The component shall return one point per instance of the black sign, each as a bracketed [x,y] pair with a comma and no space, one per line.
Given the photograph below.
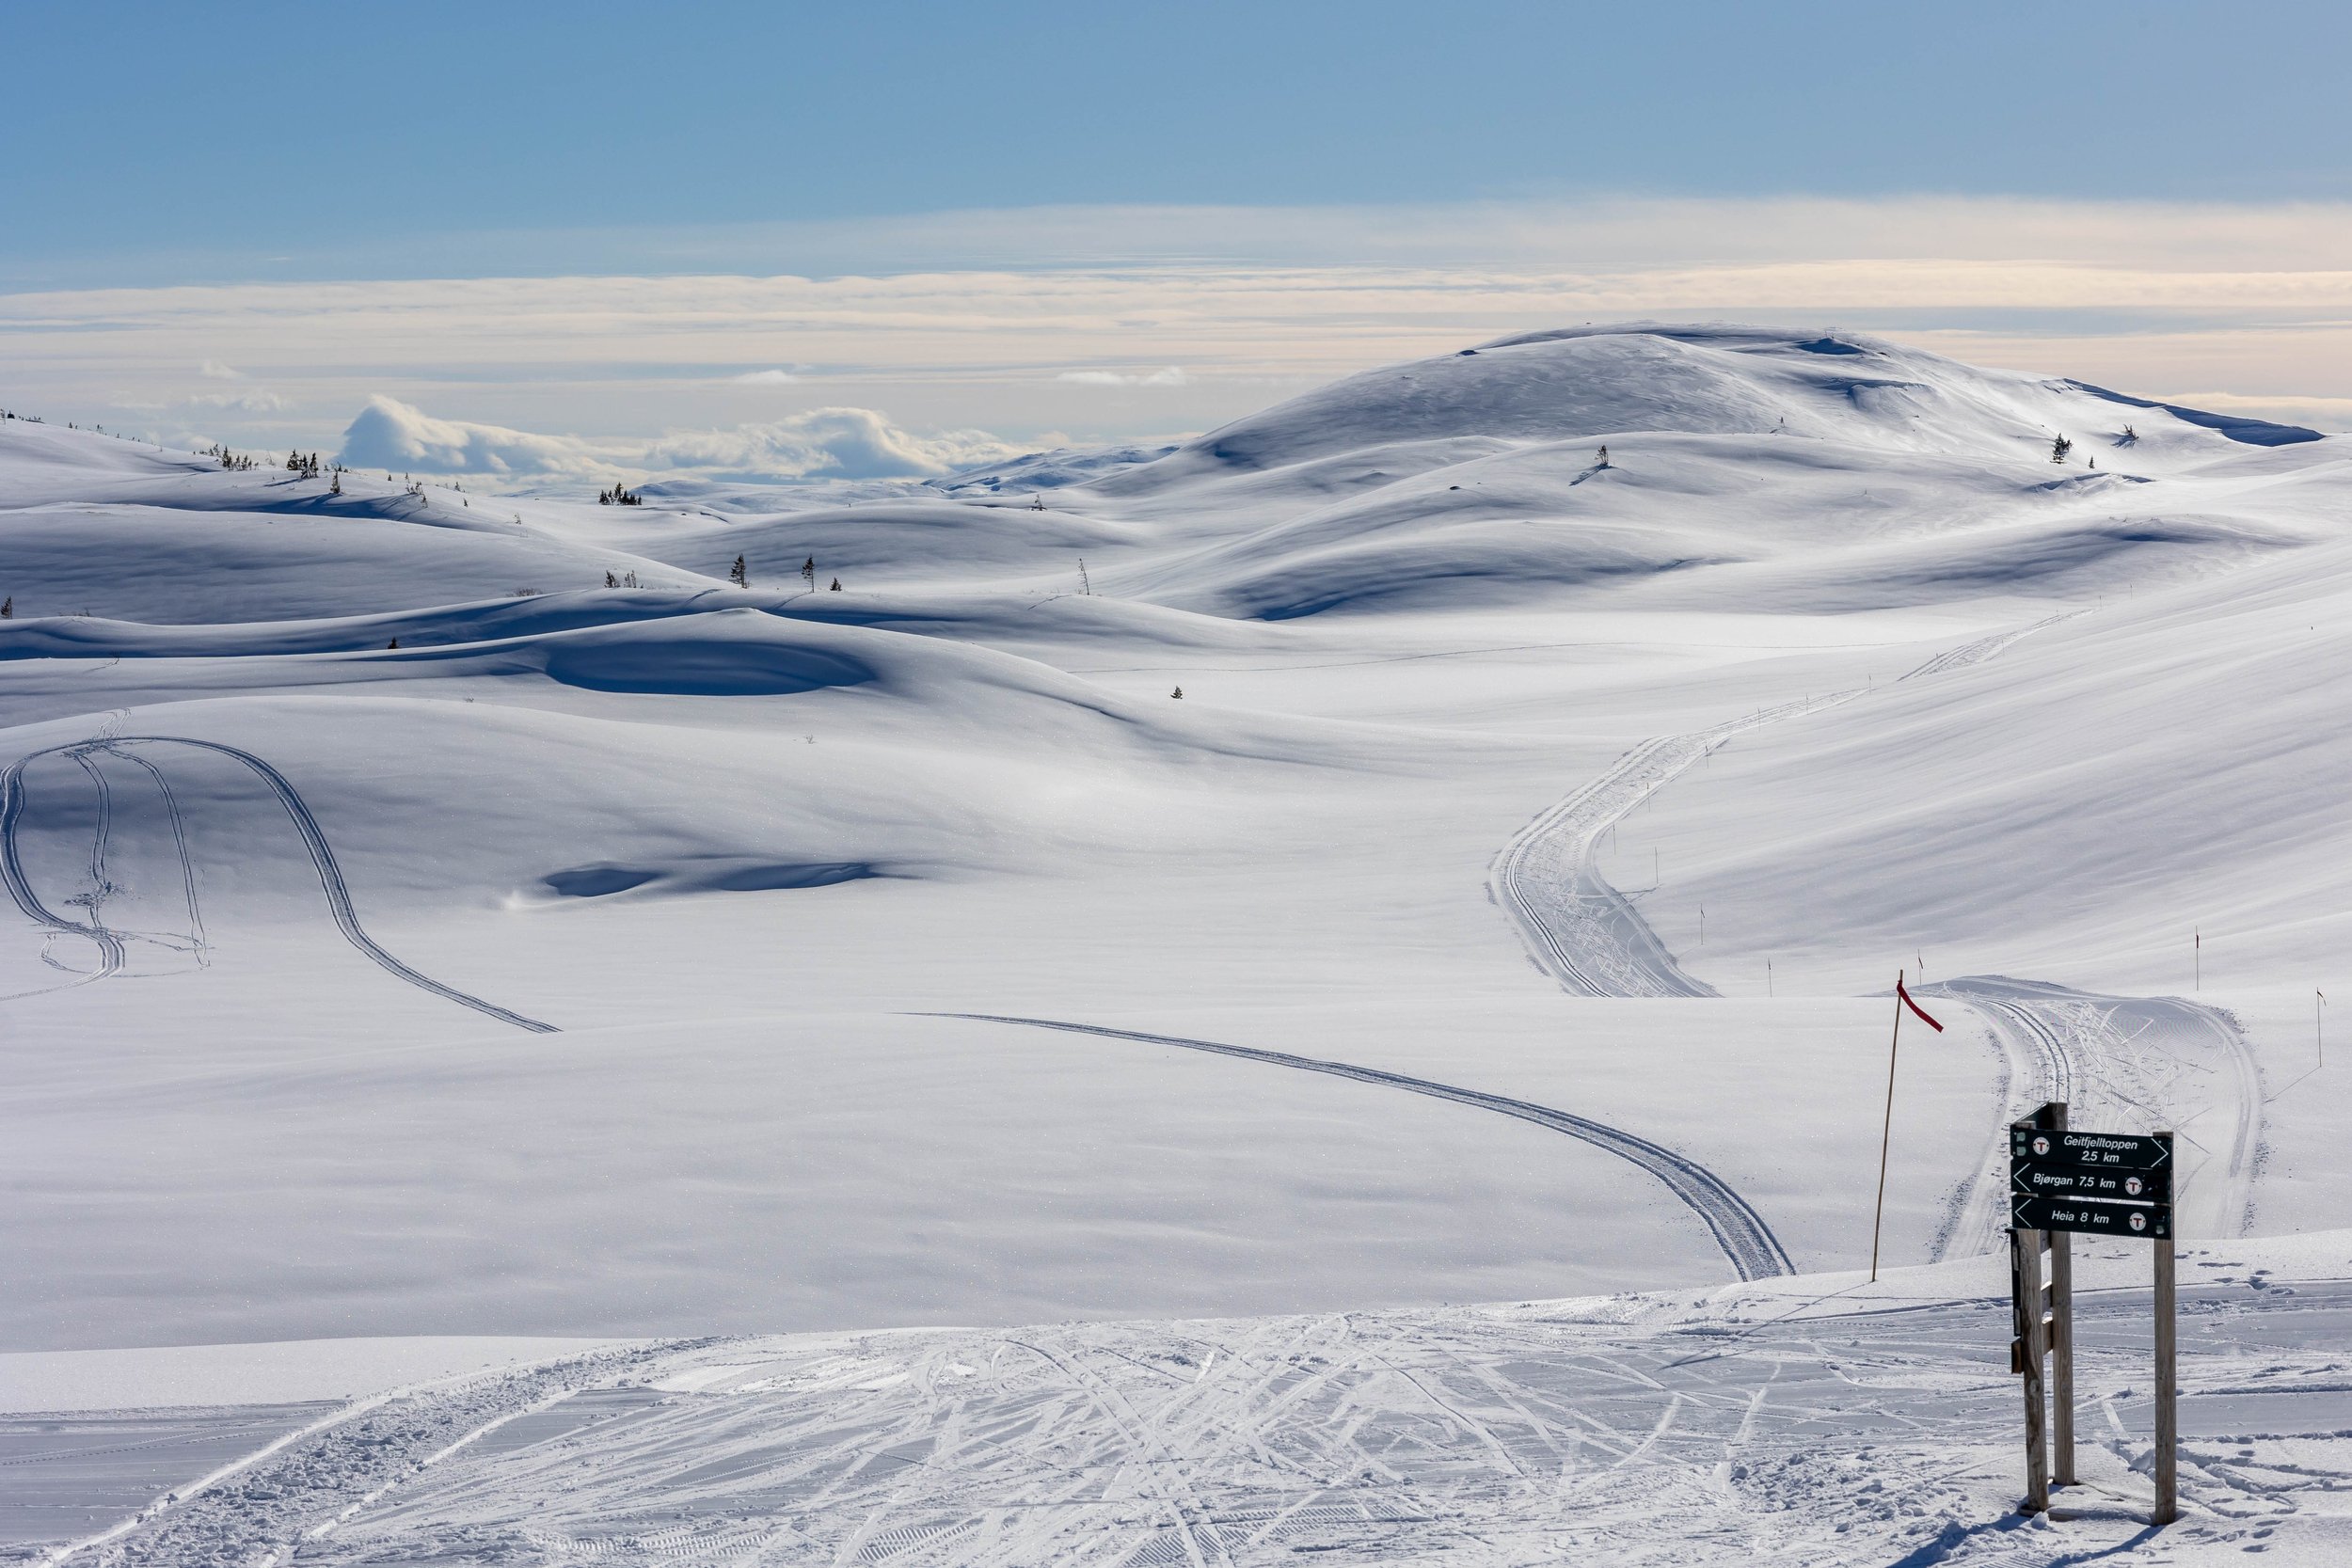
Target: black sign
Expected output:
[2049,1178]
[2106,1150]
[2152,1221]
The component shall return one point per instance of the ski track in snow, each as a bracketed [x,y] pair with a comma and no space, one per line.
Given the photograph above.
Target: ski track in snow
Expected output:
[1467,1436]
[2150,1062]
[1578,928]
[2159,1062]
[110,942]
[1986,647]
[1737,1229]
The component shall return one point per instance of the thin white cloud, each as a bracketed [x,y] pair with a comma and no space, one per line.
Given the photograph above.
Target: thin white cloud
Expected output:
[832,443]
[258,400]
[766,378]
[213,370]
[820,443]
[1171,376]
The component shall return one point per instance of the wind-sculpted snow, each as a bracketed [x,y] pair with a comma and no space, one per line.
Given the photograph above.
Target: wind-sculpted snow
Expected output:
[1746,1241]
[1759,1429]
[1218,744]
[1600,381]
[436,626]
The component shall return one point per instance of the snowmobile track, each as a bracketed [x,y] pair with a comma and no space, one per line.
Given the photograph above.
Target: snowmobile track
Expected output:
[1737,1229]
[21,889]
[313,839]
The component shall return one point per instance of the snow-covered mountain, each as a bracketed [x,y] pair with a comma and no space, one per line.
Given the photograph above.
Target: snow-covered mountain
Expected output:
[445,914]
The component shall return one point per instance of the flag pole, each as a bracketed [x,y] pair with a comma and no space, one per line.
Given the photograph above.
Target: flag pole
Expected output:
[1886,1129]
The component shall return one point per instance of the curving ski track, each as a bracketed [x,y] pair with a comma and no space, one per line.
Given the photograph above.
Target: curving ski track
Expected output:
[1578,928]
[109,943]
[1737,1229]
[2154,1062]
[1984,647]
[2159,1062]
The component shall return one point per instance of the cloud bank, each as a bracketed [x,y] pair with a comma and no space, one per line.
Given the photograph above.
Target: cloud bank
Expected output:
[1016,323]
[819,443]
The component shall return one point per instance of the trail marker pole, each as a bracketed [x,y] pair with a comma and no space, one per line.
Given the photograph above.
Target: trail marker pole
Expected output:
[2168,1391]
[1886,1129]
[2026,1262]
[2061,1245]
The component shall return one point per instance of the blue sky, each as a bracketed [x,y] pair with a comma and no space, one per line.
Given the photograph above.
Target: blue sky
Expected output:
[735,224]
[160,142]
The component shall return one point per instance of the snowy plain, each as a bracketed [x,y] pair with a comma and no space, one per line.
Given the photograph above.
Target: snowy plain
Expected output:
[414,936]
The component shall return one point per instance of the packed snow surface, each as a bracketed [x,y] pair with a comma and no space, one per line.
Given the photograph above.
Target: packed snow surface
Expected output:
[442,914]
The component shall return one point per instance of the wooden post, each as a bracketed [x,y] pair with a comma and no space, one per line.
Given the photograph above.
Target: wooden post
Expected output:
[2167,1391]
[2061,1336]
[1886,1130]
[2028,1253]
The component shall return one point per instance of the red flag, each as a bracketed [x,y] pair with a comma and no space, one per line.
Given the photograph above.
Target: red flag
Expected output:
[1915,1007]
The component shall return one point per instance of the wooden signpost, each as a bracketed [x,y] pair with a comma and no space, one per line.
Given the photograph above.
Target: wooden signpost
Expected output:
[2060,1182]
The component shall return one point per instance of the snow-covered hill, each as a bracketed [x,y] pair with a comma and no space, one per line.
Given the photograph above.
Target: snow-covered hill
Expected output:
[436,912]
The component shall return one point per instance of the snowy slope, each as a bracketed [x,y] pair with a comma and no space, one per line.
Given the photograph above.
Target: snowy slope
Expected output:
[1506,910]
[1835,1421]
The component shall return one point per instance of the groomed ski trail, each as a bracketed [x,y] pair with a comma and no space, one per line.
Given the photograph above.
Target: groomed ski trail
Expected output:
[2158,1062]
[109,943]
[1737,1229]
[1985,647]
[1578,928]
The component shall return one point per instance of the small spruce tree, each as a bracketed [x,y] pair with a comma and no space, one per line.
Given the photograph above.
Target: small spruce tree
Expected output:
[2059,448]
[1178,693]
[738,575]
[393,643]
[837,585]
[8,608]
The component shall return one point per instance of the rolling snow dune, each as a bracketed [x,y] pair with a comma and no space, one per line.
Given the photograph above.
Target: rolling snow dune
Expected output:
[196,565]
[1412,861]
[720,844]
[889,543]
[1598,381]
[2168,761]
